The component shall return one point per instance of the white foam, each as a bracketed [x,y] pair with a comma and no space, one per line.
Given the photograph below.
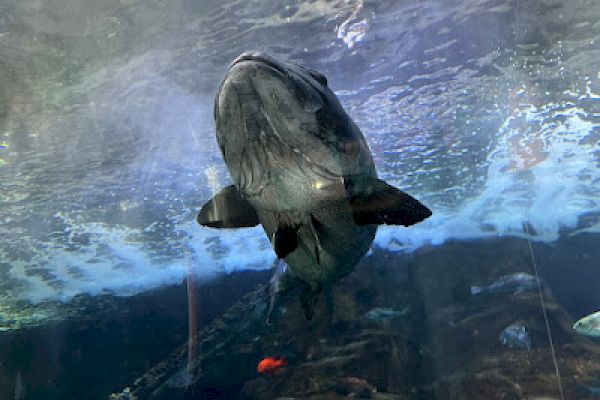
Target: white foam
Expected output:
[544,170]
[117,261]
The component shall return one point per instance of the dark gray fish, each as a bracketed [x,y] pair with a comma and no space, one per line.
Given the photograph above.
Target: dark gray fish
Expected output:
[512,283]
[516,335]
[302,169]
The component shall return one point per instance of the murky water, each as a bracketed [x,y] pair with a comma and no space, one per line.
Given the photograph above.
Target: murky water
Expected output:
[487,111]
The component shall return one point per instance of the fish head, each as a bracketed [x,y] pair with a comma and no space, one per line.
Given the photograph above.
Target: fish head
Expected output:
[274,115]
[589,326]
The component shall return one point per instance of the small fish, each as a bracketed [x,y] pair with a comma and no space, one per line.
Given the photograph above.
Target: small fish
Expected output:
[379,314]
[271,365]
[180,380]
[592,390]
[3,145]
[516,335]
[513,283]
[589,325]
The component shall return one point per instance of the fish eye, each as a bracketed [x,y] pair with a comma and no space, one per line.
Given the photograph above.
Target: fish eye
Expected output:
[581,326]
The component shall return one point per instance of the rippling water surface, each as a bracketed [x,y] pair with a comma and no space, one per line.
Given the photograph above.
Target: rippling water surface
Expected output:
[487,111]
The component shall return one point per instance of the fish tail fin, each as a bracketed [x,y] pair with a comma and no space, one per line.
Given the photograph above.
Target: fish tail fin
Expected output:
[476,290]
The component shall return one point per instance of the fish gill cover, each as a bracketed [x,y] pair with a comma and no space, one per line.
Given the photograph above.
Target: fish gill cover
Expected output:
[487,111]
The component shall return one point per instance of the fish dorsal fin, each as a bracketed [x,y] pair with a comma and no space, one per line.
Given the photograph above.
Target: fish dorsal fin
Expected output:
[285,240]
[228,209]
[379,203]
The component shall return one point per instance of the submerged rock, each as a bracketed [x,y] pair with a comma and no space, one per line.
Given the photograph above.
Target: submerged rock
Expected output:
[445,347]
[355,387]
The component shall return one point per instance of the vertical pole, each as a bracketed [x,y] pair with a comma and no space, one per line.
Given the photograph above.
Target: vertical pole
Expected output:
[192,318]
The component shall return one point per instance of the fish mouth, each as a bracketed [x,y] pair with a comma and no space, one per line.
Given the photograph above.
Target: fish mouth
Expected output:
[260,58]
[305,85]
[264,101]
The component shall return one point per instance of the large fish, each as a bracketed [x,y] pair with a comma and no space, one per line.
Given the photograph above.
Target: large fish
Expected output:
[302,169]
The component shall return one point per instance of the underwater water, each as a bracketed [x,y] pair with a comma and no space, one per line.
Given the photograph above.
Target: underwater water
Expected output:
[488,112]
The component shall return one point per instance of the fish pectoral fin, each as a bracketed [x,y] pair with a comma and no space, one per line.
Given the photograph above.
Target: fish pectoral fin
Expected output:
[380,203]
[285,240]
[228,209]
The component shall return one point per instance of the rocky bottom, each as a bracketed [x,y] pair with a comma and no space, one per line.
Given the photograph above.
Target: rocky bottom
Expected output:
[398,327]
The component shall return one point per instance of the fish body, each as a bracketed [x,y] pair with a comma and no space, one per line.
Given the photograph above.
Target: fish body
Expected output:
[302,169]
[588,325]
[380,314]
[516,335]
[271,365]
[513,283]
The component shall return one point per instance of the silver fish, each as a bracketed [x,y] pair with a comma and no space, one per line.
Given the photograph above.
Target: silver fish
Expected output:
[512,283]
[516,335]
[380,314]
[588,325]
[302,169]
